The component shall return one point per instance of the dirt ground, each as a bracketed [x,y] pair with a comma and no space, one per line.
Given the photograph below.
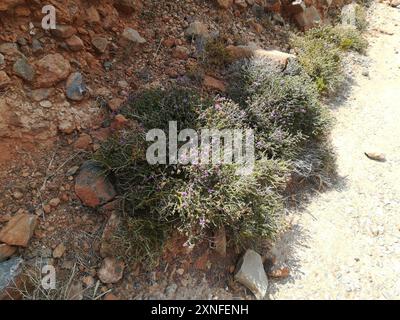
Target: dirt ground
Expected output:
[346,244]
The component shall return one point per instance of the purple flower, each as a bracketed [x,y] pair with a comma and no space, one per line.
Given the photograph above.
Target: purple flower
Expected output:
[184,194]
[202,222]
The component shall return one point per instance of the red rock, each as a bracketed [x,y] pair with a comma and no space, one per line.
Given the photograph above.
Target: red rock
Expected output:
[128,6]
[75,43]
[59,251]
[92,187]
[63,31]
[83,142]
[51,69]
[214,84]
[181,53]
[110,296]
[169,43]
[92,15]
[111,271]
[19,230]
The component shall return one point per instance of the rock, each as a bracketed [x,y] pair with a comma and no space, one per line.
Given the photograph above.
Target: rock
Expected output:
[4,79]
[132,36]
[6,251]
[72,171]
[52,69]
[180,52]
[2,61]
[55,202]
[240,52]
[92,187]
[111,271]
[41,94]
[66,126]
[115,104]
[242,4]
[100,43]
[10,271]
[128,6]
[75,43]
[59,251]
[19,230]
[18,195]
[37,47]
[75,86]
[10,49]
[88,281]
[395,3]
[279,273]
[196,29]
[250,272]
[225,4]
[45,104]
[119,122]
[220,241]
[83,142]
[24,70]
[257,27]
[111,228]
[214,84]
[376,156]
[308,18]
[110,296]
[92,15]
[63,31]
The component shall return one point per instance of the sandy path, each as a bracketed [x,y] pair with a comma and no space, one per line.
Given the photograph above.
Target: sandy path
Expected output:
[346,245]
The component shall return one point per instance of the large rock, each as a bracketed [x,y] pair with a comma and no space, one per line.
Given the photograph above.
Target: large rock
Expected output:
[196,29]
[240,52]
[100,43]
[92,187]
[52,69]
[250,272]
[23,69]
[308,18]
[111,271]
[130,35]
[214,84]
[10,271]
[75,87]
[19,230]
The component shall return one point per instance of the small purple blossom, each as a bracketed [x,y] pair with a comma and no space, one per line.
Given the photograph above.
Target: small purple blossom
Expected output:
[202,222]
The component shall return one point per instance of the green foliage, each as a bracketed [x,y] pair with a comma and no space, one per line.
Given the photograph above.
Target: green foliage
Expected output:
[321,60]
[216,55]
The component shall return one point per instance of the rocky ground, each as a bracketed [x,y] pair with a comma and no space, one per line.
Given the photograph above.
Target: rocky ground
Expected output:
[59,97]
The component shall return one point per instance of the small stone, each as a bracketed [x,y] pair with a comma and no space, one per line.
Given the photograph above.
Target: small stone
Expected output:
[88,281]
[45,104]
[59,251]
[10,49]
[66,127]
[19,230]
[180,271]
[365,72]
[133,36]
[37,47]
[376,156]
[55,202]
[180,52]
[92,15]
[196,29]
[4,79]
[119,122]
[1,59]
[47,208]
[225,4]
[111,270]
[110,296]
[75,43]
[75,87]
[63,31]
[251,273]
[41,94]
[72,171]
[6,251]
[100,43]
[18,195]
[92,187]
